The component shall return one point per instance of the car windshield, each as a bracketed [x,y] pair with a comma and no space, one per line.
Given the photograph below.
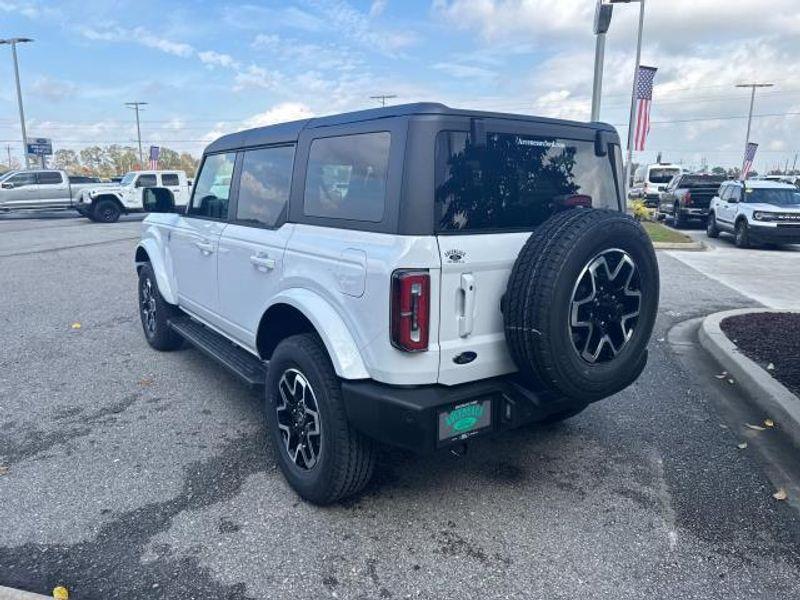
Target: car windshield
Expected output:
[128,179]
[662,175]
[5,176]
[776,196]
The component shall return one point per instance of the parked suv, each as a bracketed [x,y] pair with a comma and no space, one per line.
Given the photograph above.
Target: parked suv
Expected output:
[756,211]
[416,275]
[138,191]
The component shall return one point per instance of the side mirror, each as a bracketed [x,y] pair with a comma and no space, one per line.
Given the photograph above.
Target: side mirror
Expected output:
[158,200]
[8,186]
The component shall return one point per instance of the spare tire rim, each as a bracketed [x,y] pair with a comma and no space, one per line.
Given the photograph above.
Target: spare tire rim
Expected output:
[298,419]
[606,301]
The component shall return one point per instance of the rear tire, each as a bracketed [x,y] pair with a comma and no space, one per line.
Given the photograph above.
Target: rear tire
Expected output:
[322,457]
[155,313]
[742,235]
[578,262]
[107,211]
[712,230]
[678,218]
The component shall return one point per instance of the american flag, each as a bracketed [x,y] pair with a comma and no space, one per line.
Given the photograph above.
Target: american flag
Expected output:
[644,97]
[154,152]
[749,157]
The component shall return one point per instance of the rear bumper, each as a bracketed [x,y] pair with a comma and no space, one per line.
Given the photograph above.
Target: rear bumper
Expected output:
[409,416]
[694,212]
[651,200]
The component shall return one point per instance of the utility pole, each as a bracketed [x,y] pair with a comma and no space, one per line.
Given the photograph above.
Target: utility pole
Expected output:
[8,150]
[382,98]
[135,106]
[794,164]
[13,42]
[633,97]
[752,87]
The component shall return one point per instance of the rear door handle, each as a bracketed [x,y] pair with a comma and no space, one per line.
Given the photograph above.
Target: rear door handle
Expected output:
[262,262]
[467,317]
[205,247]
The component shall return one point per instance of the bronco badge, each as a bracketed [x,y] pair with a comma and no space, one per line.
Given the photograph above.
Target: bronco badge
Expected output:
[455,255]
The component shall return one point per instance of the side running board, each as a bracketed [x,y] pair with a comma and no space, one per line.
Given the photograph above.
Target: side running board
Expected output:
[240,362]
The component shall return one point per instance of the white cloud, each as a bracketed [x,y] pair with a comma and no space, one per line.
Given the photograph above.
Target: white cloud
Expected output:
[212,58]
[252,76]
[145,38]
[52,89]
[281,113]
[377,8]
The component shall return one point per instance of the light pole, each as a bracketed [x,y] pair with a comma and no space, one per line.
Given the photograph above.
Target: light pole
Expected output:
[13,42]
[135,106]
[633,91]
[752,87]
[602,21]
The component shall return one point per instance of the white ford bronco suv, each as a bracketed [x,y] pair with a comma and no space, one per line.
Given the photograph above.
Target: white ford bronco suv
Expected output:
[412,275]
[139,191]
[756,211]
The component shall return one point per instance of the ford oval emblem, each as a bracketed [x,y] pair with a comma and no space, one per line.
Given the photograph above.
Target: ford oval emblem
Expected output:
[465,357]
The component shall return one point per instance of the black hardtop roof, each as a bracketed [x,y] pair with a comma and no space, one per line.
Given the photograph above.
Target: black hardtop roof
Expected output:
[289,132]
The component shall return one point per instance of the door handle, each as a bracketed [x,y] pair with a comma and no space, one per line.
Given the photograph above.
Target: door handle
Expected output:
[467,317]
[205,247]
[262,262]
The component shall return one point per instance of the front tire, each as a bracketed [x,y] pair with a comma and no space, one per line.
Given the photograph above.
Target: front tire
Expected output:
[712,230]
[107,211]
[742,235]
[155,313]
[322,457]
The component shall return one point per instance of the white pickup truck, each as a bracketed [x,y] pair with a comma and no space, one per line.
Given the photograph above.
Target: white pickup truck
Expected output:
[139,191]
[43,188]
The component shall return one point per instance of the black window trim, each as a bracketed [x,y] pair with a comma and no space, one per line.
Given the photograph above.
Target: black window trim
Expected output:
[536,131]
[232,194]
[233,203]
[138,177]
[161,176]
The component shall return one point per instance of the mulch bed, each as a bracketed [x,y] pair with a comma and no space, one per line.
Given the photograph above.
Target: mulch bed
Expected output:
[769,338]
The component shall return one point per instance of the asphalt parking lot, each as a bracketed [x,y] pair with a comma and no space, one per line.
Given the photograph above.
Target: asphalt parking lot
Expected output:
[133,473]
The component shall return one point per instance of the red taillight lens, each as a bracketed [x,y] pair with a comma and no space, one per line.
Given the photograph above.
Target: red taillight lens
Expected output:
[411,307]
[687,199]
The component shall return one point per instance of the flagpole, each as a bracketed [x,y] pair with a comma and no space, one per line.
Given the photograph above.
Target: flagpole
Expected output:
[633,98]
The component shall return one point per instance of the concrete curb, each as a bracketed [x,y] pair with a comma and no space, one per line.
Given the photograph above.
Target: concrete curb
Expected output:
[7,593]
[768,393]
[692,246]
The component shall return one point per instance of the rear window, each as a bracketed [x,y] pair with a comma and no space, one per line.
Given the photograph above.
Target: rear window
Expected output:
[170,179]
[50,177]
[662,175]
[515,182]
[700,180]
[346,177]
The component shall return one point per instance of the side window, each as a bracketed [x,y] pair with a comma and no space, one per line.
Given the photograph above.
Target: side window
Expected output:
[212,187]
[264,185]
[147,181]
[346,177]
[723,192]
[22,179]
[170,180]
[735,194]
[50,178]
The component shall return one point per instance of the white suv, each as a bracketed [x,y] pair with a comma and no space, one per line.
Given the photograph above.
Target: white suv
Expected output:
[756,211]
[414,275]
[139,191]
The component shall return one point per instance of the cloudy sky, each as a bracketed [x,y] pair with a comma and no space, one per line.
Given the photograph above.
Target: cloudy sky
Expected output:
[207,68]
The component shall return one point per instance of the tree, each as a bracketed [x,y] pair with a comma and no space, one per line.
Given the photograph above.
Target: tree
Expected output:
[67,160]
[718,171]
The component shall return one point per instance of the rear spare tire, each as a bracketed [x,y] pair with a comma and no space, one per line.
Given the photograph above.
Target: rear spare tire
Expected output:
[581,303]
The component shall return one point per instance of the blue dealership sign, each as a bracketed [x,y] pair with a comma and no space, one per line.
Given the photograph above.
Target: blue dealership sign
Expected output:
[39,146]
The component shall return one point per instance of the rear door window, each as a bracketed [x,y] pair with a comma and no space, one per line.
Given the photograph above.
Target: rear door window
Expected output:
[50,178]
[170,180]
[146,181]
[346,177]
[515,182]
[264,185]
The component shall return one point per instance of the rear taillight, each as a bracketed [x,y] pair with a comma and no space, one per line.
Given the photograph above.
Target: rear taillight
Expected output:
[411,307]
[687,199]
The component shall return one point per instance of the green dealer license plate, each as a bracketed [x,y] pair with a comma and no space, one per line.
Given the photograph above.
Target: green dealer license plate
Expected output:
[464,420]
